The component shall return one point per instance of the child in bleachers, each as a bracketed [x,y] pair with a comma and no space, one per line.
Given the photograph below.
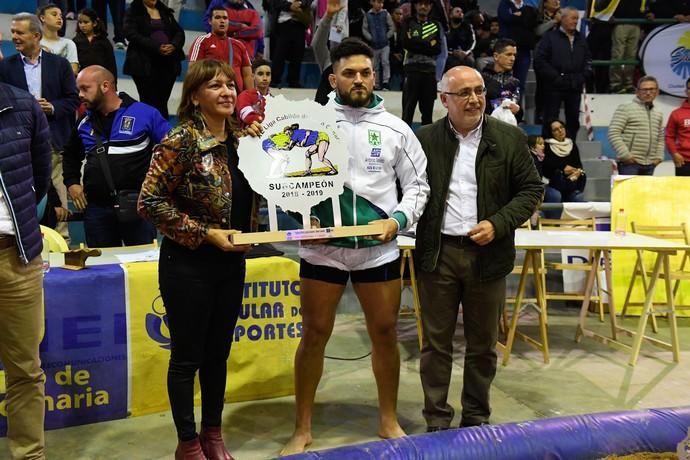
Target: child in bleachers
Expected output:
[377,29]
[251,103]
[50,16]
[91,39]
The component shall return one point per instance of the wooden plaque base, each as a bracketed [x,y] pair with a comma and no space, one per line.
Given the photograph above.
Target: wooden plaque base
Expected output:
[279,236]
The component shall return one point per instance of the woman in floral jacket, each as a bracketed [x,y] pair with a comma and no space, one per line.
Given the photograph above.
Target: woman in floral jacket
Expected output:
[197,197]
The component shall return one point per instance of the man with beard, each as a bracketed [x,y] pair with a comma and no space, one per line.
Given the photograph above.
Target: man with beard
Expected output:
[384,151]
[118,132]
[483,186]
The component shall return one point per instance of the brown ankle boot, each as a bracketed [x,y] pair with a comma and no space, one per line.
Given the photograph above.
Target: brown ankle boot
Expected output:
[189,450]
[212,443]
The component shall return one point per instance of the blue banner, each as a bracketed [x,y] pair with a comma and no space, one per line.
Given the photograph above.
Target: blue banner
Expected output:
[84,349]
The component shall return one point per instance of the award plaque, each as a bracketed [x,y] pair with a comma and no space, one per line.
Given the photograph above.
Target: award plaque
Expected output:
[300,160]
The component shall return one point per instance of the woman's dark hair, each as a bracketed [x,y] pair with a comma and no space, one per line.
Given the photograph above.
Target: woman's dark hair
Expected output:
[351,46]
[98,25]
[199,73]
[546,128]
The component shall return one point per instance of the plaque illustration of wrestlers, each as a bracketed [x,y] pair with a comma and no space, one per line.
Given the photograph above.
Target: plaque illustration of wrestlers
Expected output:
[279,144]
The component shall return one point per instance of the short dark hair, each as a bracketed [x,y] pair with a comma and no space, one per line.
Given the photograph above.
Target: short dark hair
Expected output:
[503,43]
[351,46]
[41,11]
[258,63]
[687,82]
[216,8]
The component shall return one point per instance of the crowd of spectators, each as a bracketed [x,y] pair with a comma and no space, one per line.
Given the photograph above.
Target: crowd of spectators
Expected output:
[414,42]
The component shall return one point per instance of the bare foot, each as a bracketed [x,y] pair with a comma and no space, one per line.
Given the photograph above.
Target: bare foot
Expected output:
[391,431]
[297,443]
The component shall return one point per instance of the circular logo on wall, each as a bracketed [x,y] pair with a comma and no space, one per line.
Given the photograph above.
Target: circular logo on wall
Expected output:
[665,54]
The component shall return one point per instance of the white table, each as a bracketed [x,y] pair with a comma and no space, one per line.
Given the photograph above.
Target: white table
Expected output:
[533,242]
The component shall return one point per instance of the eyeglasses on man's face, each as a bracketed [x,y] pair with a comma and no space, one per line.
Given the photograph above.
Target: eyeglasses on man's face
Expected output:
[466,93]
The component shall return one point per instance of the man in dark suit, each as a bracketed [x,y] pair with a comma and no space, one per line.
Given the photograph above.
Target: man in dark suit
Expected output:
[50,80]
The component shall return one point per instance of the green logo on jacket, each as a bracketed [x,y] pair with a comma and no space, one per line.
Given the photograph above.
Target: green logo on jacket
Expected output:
[374,137]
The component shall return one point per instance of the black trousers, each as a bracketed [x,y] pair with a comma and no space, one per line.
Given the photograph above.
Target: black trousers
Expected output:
[202,292]
[684,170]
[419,87]
[571,101]
[289,47]
[156,88]
[117,12]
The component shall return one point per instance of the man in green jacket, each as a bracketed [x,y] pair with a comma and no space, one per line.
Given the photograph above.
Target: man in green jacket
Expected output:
[483,186]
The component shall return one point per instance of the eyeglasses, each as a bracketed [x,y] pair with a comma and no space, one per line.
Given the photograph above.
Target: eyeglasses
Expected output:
[466,93]
[648,90]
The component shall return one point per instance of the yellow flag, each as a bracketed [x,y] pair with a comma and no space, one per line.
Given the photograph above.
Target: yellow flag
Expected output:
[603,9]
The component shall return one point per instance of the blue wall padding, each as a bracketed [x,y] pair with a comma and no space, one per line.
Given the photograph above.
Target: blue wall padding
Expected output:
[565,438]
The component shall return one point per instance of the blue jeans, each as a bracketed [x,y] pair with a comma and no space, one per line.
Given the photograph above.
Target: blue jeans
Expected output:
[636,169]
[103,230]
[551,195]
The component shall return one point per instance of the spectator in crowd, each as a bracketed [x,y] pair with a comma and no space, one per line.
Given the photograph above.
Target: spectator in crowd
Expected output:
[51,20]
[461,40]
[625,40]
[667,9]
[262,76]
[599,41]
[293,18]
[218,45]
[24,178]
[127,130]
[201,272]
[251,103]
[49,78]
[536,147]
[439,13]
[319,44]
[465,242]
[548,18]
[378,29]
[501,85]
[517,21]
[244,22]
[562,164]
[117,14]
[563,63]
[63,5]
[340,25]
[397,52]
[678,135]
[636,131]
[393,197]
[356,9]
[154,52]
[421,40]
[93,46]
[486,40]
